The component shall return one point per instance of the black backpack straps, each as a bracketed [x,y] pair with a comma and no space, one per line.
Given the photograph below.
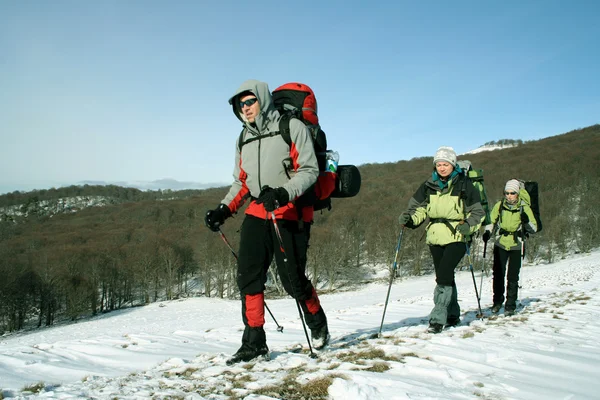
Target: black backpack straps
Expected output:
[284,131]
[463,193]
[253,138]
[284,128]
[240,143]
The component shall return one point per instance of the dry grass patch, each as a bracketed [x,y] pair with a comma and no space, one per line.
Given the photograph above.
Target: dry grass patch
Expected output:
[379,367]
[484,396]
[185,373]
[582,297]
[290,389]
[411,354]
[467,335]
[240,381]
[369,354]
[35,387]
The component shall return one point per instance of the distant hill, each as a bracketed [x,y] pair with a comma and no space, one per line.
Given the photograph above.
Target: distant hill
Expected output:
[75,197]
[159,184]
[490,147]
[48,202]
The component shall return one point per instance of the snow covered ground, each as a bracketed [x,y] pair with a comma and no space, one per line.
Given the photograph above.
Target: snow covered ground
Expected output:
[489,147]
[177,349]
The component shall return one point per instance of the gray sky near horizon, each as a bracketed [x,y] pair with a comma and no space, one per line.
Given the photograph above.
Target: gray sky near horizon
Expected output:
[137,91]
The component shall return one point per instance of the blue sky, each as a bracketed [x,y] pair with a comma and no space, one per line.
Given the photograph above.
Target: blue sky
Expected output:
[138,90]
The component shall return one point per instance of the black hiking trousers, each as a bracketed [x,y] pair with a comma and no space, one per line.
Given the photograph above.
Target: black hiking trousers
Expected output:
[500,270]
[258,245]
[445,260]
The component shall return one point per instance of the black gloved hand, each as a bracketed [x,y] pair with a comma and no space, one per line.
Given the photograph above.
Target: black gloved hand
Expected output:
[215,218]
[464,229]
[273,198]
[486,236]
[404,219]
[524,218]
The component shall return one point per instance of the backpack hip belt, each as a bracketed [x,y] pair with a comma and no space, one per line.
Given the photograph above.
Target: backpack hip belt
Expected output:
[515,234]
[446,222]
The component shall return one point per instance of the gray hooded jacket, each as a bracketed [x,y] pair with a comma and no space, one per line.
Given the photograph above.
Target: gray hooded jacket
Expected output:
[264,162]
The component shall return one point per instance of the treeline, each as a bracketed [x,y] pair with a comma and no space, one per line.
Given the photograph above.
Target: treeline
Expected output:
[117,194]
[102,259]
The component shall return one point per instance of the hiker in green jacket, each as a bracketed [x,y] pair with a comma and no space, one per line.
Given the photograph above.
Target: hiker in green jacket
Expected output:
[455,213]
[512,220]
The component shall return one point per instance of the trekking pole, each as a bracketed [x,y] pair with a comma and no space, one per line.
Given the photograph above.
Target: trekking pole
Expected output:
[285,260]
[522,251]
[482,271]
[392,276]
[279,327]
[480,315]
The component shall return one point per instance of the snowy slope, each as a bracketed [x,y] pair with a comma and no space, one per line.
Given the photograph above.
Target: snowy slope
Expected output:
[178,349]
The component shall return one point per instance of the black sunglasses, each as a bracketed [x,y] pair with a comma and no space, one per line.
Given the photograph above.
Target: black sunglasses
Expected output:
[513,193]
[248,102]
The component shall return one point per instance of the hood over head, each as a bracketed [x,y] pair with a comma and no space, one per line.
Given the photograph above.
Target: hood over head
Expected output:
[262,93]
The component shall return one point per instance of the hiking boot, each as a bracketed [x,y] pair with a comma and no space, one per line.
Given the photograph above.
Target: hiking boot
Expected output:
[452,321]
[496,308]
[247,353]
[509,313]
[320,337]
[435,328]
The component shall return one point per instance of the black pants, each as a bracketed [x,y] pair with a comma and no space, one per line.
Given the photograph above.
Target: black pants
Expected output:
[258,244]
[445,260]
[501,258]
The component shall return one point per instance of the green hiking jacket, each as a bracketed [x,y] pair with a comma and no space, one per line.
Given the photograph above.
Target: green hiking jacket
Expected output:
[446,208]
[506,222]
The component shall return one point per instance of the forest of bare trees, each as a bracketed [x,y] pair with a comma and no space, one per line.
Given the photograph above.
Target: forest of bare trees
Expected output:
[144,249]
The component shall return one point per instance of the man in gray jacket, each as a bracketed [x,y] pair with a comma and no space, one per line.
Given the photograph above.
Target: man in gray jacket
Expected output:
[272,174]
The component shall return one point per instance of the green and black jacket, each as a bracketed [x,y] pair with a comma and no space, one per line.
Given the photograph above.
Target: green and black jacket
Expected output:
[446,207]
[506,222]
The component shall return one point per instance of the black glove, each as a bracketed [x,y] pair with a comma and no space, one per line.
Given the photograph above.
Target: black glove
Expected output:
[273,198]
[215,218]
[486,236]
[404,219]
[524,218]
[464,229]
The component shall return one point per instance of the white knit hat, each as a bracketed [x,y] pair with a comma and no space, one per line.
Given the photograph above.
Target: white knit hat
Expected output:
[445,153]
[512,186]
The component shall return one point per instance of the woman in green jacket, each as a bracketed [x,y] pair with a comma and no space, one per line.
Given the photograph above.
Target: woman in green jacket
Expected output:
[454,209]
[512,219]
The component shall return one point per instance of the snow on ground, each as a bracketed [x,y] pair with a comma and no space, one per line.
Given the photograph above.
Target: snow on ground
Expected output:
[489,147]
[177,349]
